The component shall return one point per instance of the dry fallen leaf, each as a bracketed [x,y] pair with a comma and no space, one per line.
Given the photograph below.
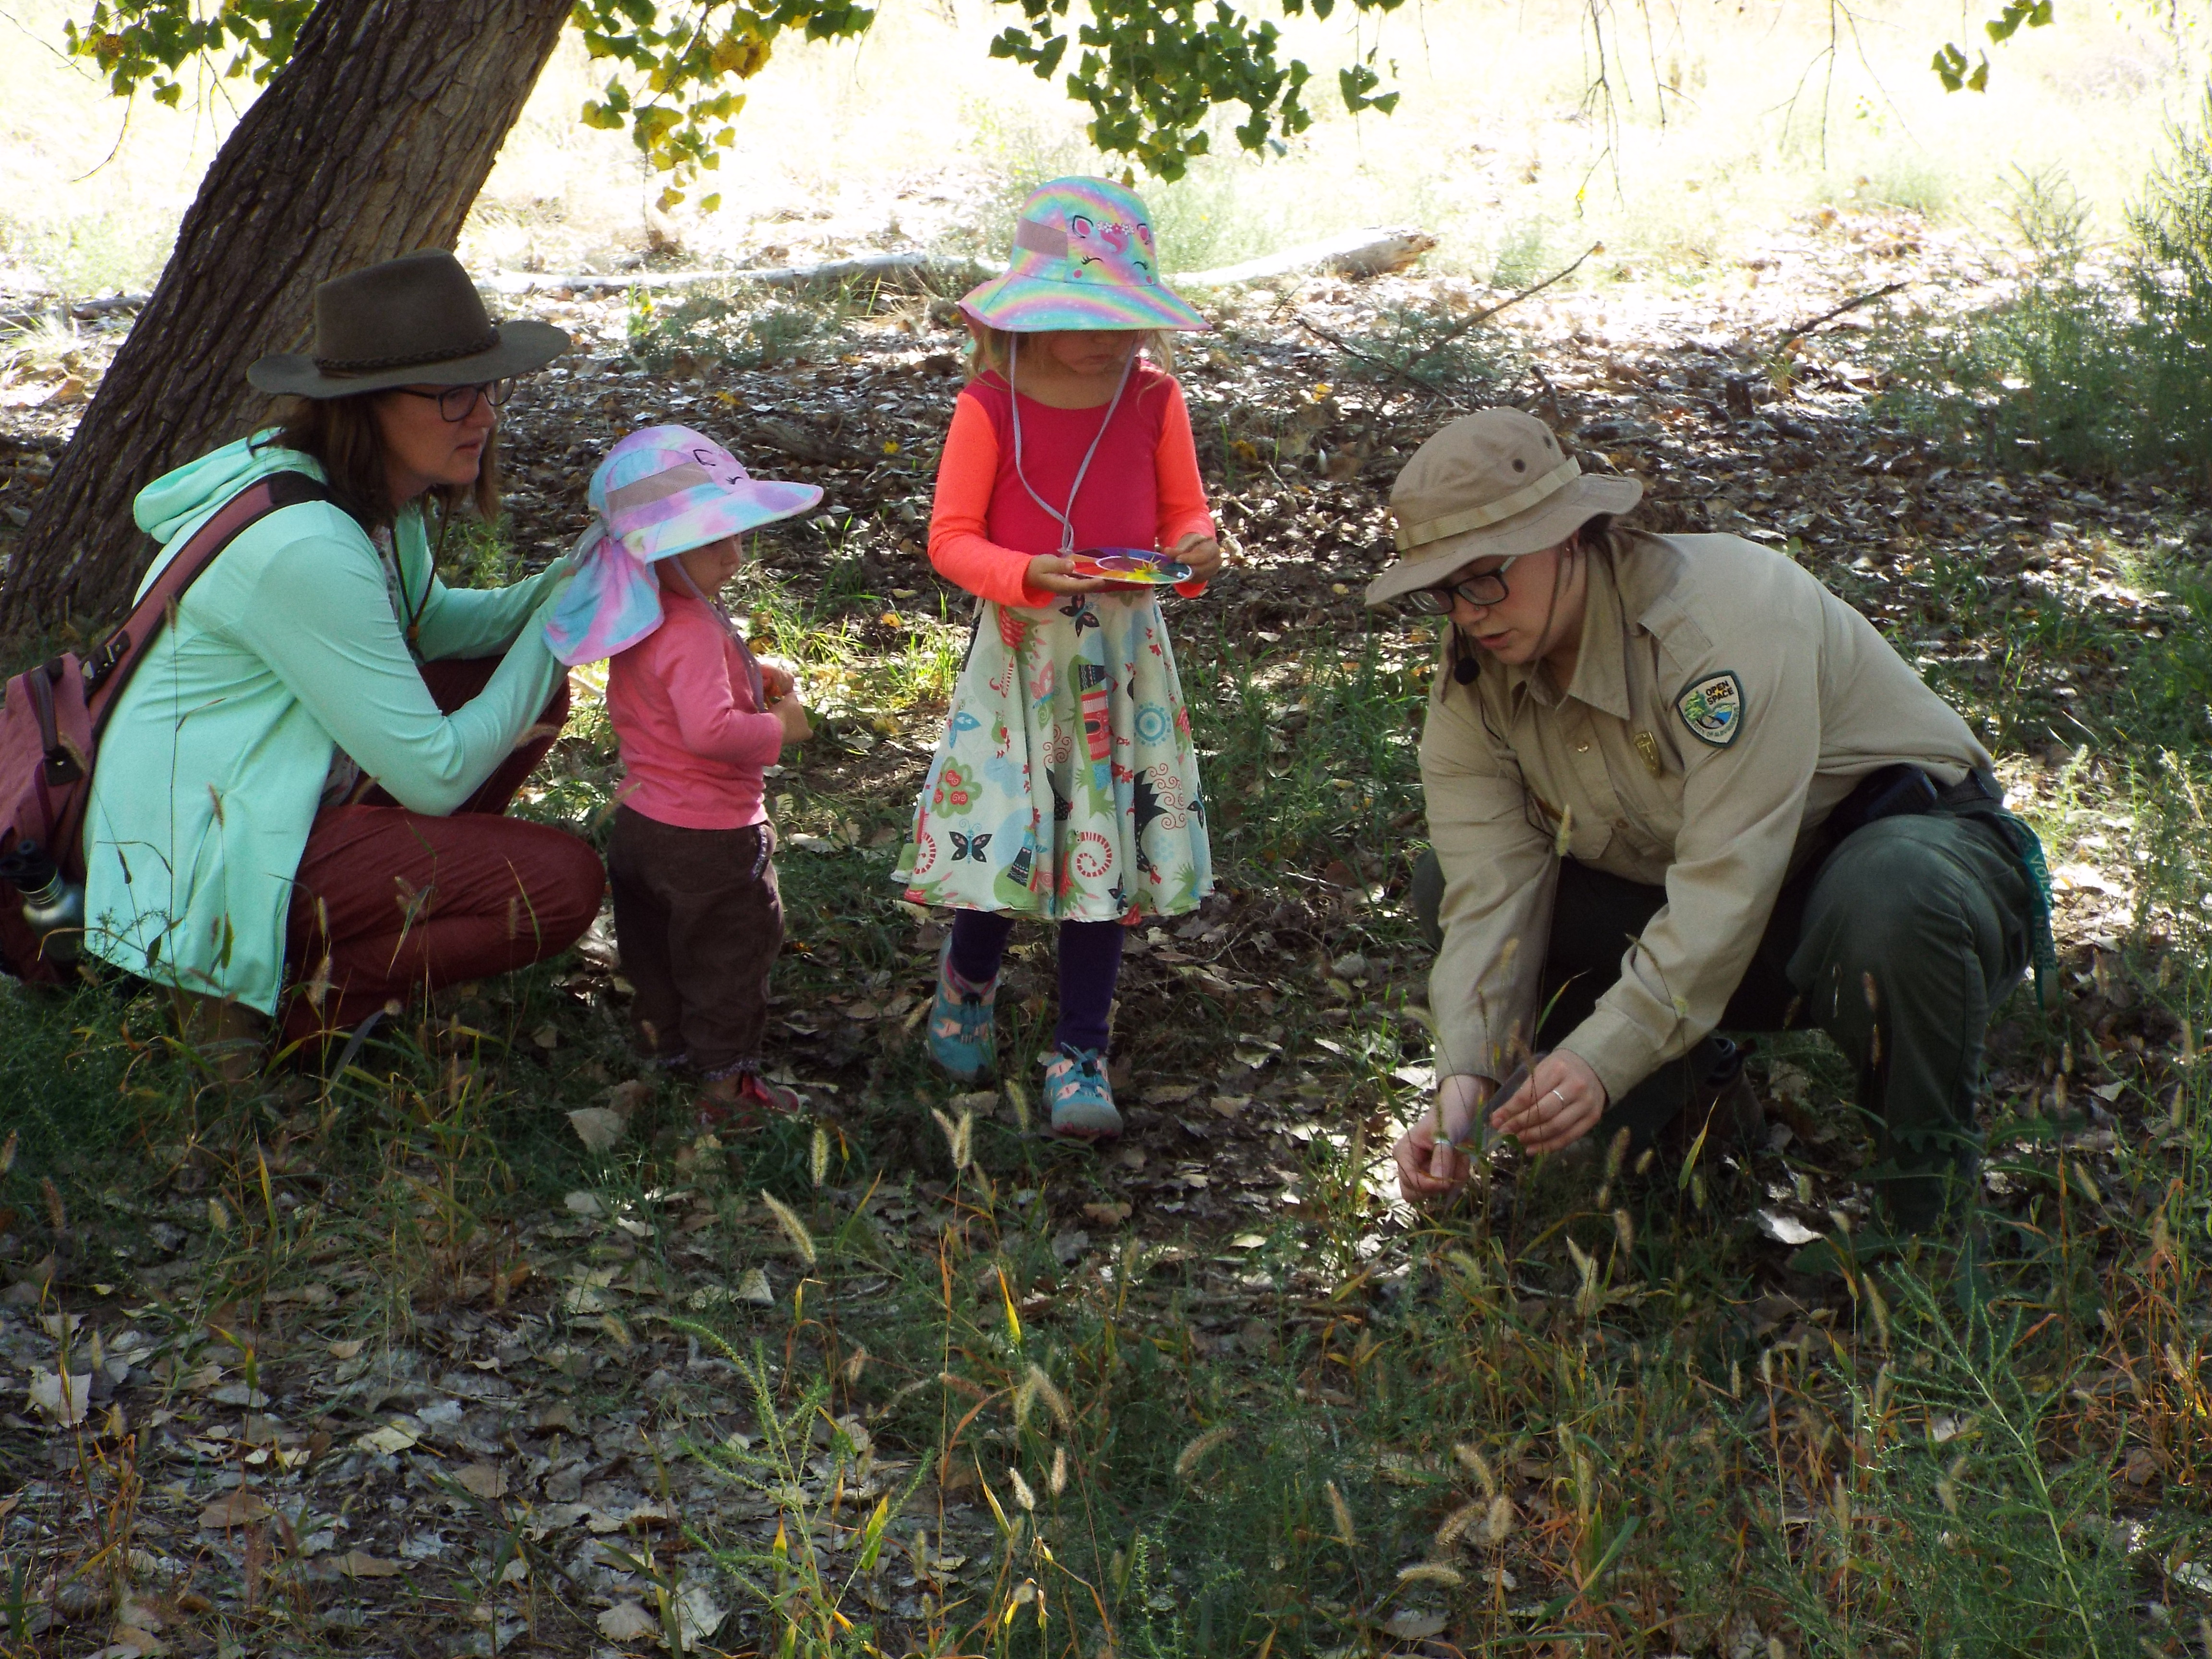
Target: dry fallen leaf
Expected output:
[482,1480]
[626,1621]
[1413,1625]
[240,1508]
[1231,1105]
[753,1287]
[597,1127]
[391,1437]
[358,1564]
[63,1400]
[1107,1215]
[1169,1094]
[348,1349]
[584,1204]
[698,1614]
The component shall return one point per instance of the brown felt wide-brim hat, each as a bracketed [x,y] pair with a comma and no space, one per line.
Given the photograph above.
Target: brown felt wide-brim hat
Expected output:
[415,320]
[1493,485]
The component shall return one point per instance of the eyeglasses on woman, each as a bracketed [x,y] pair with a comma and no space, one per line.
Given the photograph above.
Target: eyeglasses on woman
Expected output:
[455,403]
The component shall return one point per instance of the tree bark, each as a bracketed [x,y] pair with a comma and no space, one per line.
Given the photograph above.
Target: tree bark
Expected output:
[372,141]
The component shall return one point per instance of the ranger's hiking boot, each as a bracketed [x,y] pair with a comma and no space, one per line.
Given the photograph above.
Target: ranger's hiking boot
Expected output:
[962,1022]
[1081,1099]
[1722,1108]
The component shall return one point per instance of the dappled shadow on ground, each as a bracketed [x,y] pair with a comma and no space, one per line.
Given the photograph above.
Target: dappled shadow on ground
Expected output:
[396,1364]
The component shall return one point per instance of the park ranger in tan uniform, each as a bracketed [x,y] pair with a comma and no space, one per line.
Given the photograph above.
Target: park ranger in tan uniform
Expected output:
[1674,785]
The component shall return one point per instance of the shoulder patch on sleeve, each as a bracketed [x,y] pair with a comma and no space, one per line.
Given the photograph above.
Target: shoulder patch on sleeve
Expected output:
[1712,708]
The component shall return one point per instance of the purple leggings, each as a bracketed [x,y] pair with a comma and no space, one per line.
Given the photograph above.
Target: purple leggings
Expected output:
[1089,963]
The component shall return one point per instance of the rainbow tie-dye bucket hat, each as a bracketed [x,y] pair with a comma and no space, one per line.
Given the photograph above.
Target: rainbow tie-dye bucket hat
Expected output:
[660,491]
[1084,258]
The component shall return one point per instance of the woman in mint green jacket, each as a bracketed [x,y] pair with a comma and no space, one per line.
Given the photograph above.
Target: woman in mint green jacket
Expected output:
[298,806]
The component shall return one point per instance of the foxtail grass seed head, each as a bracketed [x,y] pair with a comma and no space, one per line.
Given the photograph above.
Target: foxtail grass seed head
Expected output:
[818,1159]
[1058,1481]
[1616,1153]
[1497,1524]
[2059,1092]
[1471,1460]
[218,1217]
[956,1136]
[854,1365]
[1020,1098]
[1735,1379]
[1431,1572]
[1023,1495]
[1048,1391]
[1457,1523]
[1340,1512]
[2188,1040]
[1879,1309]
[1194,1454]
[1697,1189]
[1025,1400]
[1643,1163]
[56,1214]
[1624,1229]
[2177,1113]
[794,1228]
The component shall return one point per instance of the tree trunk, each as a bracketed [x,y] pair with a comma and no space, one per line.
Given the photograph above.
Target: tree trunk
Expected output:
[372,142]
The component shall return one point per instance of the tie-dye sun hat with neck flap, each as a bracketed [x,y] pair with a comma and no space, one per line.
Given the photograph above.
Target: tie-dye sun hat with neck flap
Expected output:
[661,491]
[1084,258]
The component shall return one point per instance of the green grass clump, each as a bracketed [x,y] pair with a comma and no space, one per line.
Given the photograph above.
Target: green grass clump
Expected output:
[2104,377]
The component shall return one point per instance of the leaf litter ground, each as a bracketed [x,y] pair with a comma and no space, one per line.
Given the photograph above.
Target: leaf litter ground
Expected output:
[482,1347]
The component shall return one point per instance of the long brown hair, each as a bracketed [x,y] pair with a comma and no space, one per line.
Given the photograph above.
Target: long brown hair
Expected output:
[342,434]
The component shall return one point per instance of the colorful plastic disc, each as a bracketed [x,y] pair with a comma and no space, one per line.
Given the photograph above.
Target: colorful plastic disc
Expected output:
[1132,565]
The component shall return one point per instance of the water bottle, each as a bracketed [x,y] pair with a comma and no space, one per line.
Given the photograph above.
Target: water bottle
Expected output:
[53,905]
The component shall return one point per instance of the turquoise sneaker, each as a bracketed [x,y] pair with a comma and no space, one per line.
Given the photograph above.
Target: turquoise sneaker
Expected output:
[962,1023]
[1081,1099]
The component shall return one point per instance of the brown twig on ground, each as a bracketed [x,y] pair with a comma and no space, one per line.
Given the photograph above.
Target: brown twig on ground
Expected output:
[1405,371]
[1805,328]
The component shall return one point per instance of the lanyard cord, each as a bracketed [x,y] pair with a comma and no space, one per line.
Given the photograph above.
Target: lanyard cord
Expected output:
[752,667]
[1066,520]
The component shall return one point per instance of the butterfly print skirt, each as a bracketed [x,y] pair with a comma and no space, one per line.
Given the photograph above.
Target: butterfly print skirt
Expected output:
[1065,786]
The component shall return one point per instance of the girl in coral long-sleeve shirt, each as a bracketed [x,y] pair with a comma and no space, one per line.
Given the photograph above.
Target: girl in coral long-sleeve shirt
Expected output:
[1065,786]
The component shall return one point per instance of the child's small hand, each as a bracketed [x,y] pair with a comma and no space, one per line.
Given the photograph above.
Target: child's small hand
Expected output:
[1050,571]
[1202,554]
[777,681]
[793,713]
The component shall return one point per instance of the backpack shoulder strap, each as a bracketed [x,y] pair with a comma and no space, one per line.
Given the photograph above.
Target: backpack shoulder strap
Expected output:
[109,668]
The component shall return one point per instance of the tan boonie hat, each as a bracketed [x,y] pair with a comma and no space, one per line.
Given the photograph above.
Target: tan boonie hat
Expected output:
[1493,485]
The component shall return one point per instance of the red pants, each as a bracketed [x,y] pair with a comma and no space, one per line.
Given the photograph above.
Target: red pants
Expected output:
[389,903]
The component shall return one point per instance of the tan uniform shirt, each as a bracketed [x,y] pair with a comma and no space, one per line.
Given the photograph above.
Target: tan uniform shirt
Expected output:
[1724,702]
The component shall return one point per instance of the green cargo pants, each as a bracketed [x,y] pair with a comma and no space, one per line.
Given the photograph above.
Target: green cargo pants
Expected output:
[1899,944]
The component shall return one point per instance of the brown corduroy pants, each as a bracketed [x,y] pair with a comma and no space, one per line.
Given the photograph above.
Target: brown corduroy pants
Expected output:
[389,904]
[699,919]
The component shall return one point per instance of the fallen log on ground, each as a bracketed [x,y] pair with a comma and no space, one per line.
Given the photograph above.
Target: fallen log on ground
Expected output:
[1372,251]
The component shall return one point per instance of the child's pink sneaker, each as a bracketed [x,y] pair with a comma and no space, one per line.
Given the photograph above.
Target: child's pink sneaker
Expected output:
[755,1100]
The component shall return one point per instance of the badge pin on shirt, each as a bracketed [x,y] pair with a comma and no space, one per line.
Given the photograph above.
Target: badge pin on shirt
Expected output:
[1648,746]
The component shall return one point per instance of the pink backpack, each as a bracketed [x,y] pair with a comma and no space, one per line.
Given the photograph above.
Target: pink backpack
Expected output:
[52,720]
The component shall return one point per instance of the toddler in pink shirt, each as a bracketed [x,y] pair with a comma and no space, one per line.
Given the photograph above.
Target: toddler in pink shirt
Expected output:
[698,918]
